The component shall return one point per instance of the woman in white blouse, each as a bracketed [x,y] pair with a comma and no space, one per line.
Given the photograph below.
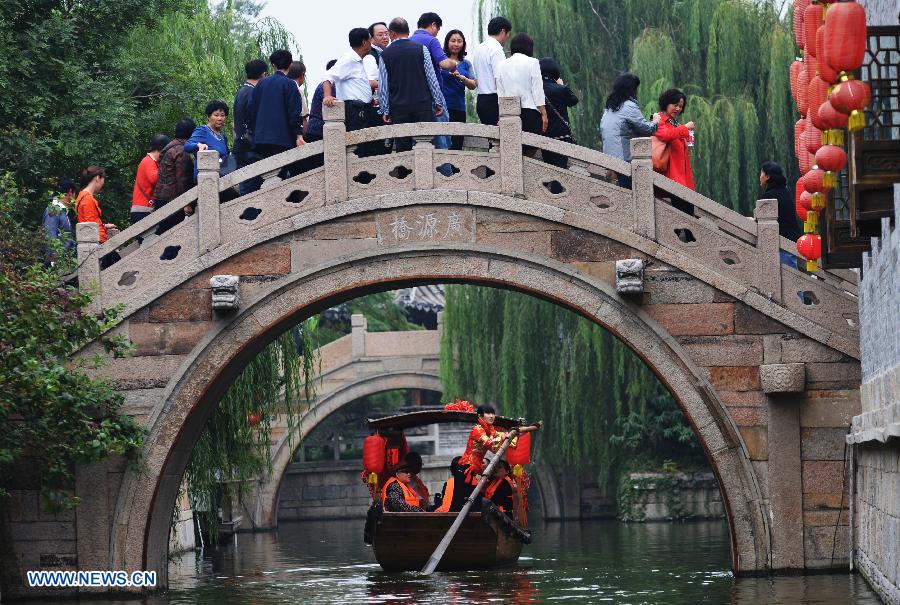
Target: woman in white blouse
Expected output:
[520,76]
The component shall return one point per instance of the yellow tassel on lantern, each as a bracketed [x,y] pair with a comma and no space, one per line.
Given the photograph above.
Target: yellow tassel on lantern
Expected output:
[856,121]
[811,222]
[818,201]
[372,478]
[812,266]
[836,137]
[518,471]
[830,179]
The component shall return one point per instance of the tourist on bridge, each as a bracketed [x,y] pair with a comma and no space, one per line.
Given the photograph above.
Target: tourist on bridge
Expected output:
[429,25]
[559,99]
[56,222]
[276,111]
[348,81]
[622,121]
[398,495]
[313,127]
[86,205]
[210,136]
[409,88]
[244,155]
[520,76]
[455,83]
[297,73]
[678,138]
[378,31]
[486,58]
[773,181]
[145,182]
[176,174]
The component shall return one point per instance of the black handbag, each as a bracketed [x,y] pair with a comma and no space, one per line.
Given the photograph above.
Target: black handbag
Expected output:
[565,138]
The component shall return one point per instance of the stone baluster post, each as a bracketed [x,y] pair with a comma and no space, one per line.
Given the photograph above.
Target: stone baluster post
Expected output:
[768,245]
[359,325]
[511,171]
[209,234]
[334,134]
[87,237]
[642,188]
[423,162]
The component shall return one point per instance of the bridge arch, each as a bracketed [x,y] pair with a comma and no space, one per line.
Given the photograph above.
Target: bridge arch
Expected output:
[145,502]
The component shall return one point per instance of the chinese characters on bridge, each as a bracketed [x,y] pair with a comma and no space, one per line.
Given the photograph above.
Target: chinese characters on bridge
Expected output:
[426,224]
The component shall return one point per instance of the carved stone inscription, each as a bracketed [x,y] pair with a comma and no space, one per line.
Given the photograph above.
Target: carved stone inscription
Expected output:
[419,224]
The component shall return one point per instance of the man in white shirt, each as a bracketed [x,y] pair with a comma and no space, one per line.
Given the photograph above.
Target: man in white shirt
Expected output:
[354,87]
[520,76]
[486,59]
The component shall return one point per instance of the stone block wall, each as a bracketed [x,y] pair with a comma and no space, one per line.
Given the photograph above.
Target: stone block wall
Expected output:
[667,496]
[875,434]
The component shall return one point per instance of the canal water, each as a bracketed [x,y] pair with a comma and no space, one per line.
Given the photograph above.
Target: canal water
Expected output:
[587,562]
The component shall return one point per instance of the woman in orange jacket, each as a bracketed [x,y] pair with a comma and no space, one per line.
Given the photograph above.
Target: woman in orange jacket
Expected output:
[92,180]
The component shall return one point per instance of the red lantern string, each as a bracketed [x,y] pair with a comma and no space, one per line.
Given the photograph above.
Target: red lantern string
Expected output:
[817,94]
[851,97]
[845,36]
[834,122]
[832,160]
[812,19]
[799,145]
[814,182]
[803,88]
[796,66]
[812,137]
[799,9]
[799,205]
[826,72]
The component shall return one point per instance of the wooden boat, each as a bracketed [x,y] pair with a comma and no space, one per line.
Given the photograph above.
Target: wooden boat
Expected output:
[405,541]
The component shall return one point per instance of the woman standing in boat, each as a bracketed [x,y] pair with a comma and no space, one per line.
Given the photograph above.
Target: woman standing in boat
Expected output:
[484,437]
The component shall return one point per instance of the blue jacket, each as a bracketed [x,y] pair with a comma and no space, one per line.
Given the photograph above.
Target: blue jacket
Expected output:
[275,111]
[204,134]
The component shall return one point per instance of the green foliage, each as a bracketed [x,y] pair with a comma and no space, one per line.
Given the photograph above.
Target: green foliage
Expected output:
[730,56]
[90,82]
[600,403]
[52,415]
[234,447]
[381,313]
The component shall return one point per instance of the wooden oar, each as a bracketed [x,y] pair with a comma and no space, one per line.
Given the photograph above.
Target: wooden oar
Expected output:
[438,553]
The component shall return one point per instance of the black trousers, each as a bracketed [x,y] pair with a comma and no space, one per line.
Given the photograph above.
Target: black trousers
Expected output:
[457,115]
[312,162]
[488,109]
[405,143]
[245,158]
[359,115]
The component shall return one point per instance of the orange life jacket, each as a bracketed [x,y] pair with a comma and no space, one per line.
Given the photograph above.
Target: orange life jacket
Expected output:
[408,494]
[447,498]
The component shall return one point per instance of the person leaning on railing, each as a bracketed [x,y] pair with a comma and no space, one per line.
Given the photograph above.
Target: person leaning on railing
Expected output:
[622,121]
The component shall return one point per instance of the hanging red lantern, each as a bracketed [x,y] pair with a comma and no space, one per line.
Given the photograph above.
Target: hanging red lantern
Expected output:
[796,66]
[832,160]
[805,161]
[818,94]
[851,97]
[835,122]
[809,246]
[253,418]
[814,182]
[799,9]
[812,137]
[521,454]
[803,89]
[373,453]
[799,145]
[826,72]
[845,36]
[812,19]
[799,206]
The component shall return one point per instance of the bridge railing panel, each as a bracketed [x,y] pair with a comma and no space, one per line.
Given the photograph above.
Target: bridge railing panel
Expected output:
[381,174]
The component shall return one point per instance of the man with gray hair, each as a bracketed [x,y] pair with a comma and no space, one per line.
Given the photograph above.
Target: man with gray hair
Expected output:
[408,84]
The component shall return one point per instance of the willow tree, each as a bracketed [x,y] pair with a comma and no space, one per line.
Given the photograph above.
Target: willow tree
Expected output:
[602,406]
[730,56]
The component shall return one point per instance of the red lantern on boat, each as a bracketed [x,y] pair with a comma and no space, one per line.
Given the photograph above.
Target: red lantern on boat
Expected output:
[832,160]
[818,94]
[812,19]
[826,72]
[845,36]
[814,182]
[809,246]
[812,137]
[799,9]
[835,122]
[803,89]
[851,97]
[373,454]
[521,454]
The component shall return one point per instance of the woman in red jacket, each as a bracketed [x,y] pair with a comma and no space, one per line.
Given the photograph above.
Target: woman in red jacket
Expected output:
[671,105]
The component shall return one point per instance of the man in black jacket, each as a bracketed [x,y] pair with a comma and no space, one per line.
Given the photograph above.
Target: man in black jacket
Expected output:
[276,110]
[771,178]
[243,131]
[408,85]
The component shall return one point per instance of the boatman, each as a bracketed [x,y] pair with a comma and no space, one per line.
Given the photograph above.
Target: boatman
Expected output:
[484,437]
[398,495]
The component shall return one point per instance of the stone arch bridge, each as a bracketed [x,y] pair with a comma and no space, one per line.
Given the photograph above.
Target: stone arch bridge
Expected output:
[768,379]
